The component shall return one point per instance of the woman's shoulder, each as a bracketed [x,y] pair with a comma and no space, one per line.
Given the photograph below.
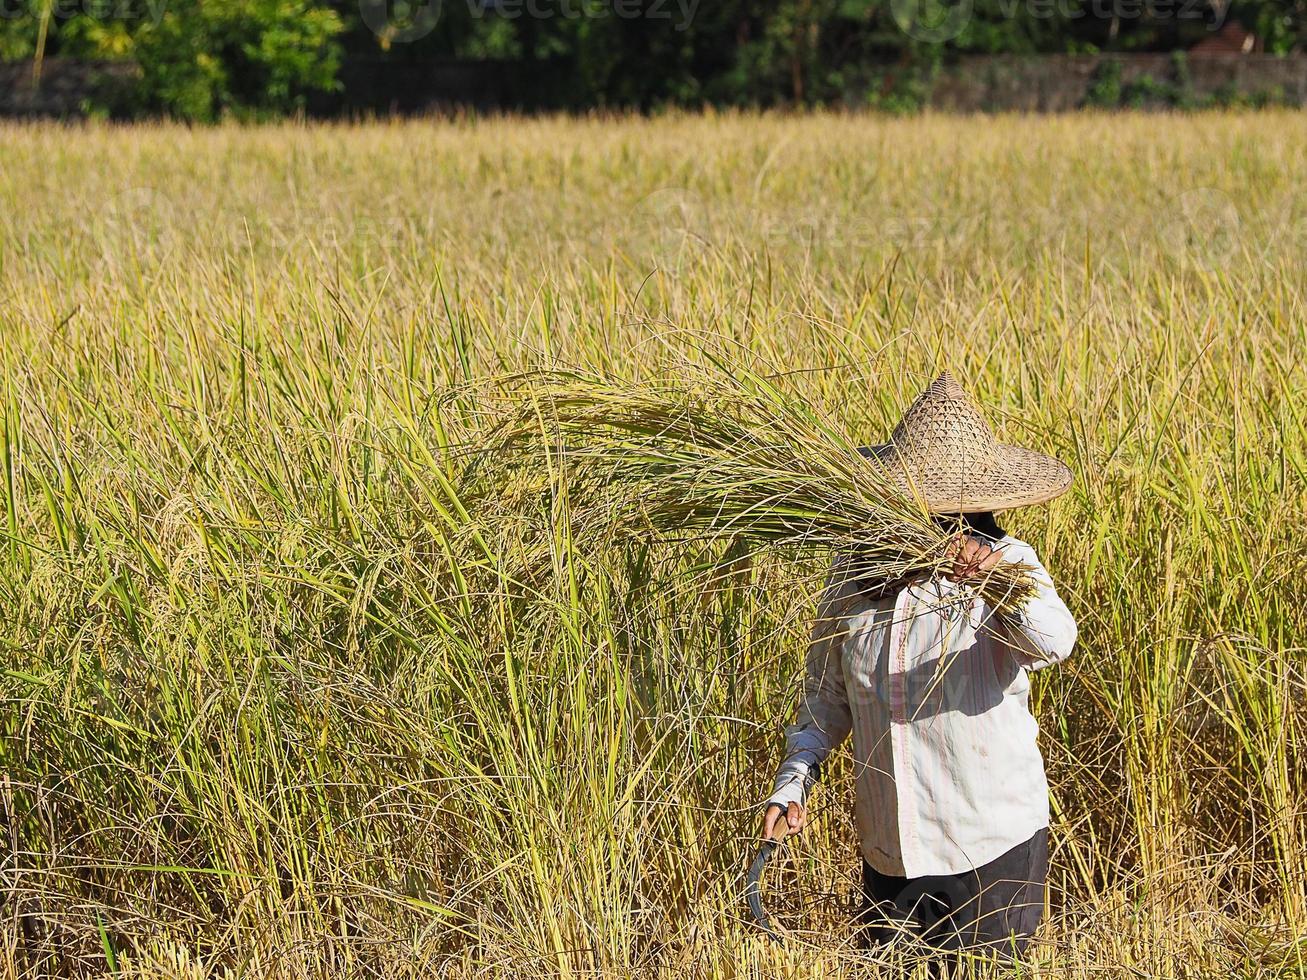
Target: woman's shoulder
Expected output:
[1014,549]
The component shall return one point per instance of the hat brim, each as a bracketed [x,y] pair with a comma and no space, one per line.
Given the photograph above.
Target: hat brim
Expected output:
[1021,478]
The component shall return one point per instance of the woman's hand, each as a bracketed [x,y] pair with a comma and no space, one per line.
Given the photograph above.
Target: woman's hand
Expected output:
[972,558]
[777,821]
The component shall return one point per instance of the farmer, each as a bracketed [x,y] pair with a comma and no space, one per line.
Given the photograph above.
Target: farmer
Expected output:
[952,803]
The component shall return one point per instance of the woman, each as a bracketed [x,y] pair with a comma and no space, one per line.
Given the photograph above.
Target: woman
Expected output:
[952,802]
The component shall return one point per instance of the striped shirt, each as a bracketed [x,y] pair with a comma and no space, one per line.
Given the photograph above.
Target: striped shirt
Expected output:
[934,690]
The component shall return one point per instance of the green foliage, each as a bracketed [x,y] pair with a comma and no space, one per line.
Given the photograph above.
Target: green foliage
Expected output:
[1229,96]
[1105,86]
[199,59]
[1109,89]
[905,91]
[242,56]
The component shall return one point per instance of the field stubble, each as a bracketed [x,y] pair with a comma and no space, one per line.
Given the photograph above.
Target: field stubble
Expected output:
[267,706]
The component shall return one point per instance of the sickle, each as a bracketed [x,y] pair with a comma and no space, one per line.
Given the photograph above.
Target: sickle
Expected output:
[753,890]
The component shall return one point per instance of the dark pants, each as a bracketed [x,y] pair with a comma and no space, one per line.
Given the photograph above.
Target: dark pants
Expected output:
[992,910]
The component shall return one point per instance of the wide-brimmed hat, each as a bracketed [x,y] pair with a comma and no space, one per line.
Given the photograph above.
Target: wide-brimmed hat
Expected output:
[945,454]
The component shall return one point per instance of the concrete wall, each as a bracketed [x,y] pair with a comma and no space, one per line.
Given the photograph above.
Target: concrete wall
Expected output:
[1048,83]
[1059,83]
[65,86]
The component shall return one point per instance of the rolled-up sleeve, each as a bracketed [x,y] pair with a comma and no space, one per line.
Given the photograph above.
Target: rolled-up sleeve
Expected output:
[1042,632]
[823,719]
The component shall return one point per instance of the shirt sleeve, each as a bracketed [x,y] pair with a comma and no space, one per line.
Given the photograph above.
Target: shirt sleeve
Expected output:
[823,719]
[1042,632]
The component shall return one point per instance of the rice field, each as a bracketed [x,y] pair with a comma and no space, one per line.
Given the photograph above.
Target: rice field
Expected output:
[268,706]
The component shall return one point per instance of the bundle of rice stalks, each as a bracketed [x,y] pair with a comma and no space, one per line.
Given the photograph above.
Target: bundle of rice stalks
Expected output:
[728,458]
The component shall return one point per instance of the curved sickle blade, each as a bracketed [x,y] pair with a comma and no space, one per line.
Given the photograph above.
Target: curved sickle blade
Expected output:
[753,890]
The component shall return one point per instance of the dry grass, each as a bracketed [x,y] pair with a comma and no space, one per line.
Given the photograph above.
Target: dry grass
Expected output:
[694,460]
[267,706]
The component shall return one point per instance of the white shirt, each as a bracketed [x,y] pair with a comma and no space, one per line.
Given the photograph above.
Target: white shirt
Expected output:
[934,689]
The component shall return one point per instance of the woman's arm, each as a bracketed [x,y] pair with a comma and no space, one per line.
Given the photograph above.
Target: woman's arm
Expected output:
[823,720]
[1042,632]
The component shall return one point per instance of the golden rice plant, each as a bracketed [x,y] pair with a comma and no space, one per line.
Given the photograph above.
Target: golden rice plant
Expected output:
[287,690]
[720,456]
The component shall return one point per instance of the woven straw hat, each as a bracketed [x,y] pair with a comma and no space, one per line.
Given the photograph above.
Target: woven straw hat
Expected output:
[944,452]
